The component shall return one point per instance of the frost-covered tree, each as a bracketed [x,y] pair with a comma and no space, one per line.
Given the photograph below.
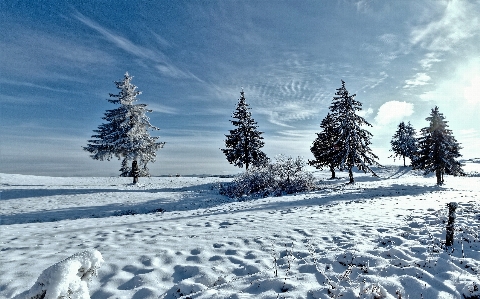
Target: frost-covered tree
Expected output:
[352,141]
[404,142]
[326,145]
[125,134]
[438,148]
[244,143]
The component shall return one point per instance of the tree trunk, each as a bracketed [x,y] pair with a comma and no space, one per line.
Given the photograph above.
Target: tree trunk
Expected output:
[451,223]
[438,173]
[404,165]
[333,172]
[350,174]
[135,171]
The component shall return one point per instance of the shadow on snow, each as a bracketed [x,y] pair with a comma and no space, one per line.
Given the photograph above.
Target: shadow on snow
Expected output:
[197,197]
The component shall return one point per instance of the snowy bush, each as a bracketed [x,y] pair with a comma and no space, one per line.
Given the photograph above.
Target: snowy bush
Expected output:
[68,278]
[471,290]
[285,176]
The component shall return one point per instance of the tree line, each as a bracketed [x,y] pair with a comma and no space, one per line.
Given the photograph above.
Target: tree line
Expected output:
[342,143]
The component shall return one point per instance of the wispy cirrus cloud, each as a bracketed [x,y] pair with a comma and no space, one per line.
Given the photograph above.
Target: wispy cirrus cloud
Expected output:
[458,22]
[298,89]
[391,47]
[35,86]
[35,54]
[284,91]
[444,35]
[429,59]
[289,112]
[419,79]
[159,108]
[375,81]
[161,62]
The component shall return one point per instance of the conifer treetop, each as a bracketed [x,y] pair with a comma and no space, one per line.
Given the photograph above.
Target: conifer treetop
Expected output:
[128,92]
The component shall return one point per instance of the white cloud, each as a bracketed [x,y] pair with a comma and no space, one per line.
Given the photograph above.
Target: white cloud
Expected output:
[419,80]
[429,59]
[365,113]
[393,112]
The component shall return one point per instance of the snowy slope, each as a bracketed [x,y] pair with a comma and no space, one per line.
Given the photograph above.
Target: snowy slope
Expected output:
[176,237]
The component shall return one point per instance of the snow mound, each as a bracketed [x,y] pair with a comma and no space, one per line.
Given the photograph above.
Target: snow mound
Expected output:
[68,278]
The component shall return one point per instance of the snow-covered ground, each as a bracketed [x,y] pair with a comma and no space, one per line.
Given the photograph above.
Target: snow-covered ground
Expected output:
[178,238]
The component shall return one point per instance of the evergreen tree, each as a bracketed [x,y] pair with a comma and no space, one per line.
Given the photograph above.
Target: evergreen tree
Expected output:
[126,135]
[352,142]
[243,144]
[404,142]
[438,148]
[326,145]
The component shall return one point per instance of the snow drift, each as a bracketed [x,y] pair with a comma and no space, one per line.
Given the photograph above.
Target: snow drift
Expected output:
[68,278]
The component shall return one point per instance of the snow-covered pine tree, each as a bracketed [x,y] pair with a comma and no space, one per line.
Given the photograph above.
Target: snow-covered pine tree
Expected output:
[353,141]
[126,135]
[244,143]
[404,142]
[326,145]
[438,148]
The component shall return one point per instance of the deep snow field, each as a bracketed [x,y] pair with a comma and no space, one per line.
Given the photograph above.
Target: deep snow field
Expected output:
[176,237]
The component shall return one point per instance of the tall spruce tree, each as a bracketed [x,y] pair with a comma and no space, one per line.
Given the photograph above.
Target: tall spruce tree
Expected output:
[125,135]
[326,145]
[244,143]
[352,141]
[438,148]
[404,142]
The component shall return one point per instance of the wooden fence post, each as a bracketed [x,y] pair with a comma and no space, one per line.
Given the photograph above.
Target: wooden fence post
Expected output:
[451,223]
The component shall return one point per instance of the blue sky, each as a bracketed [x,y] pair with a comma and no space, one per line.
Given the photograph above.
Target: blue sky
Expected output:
[58,61]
